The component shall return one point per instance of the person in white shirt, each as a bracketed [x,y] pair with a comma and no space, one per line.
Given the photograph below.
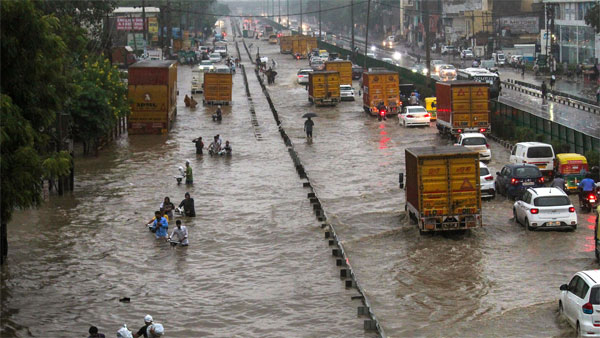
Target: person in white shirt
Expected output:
[180,234]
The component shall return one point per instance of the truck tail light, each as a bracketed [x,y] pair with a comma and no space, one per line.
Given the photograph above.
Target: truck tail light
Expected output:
[571,209]
[534,211]
[588,308]
[482,130]
[514,181]
[459,131]
[489,178]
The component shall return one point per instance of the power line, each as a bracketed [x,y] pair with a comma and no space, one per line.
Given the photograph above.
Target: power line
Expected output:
[262,16]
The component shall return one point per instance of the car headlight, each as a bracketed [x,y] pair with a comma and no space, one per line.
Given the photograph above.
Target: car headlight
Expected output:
[414,70]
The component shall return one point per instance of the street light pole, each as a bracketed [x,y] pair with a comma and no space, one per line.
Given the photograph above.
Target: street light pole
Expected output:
[320,20]
[367,34]
[300,28]
[287,7]
[352,25]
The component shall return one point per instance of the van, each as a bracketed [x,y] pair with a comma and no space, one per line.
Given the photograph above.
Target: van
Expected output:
[540,154]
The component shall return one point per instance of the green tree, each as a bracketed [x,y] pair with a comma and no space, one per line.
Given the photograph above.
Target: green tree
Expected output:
[33,85]
[592,18]
[100,100]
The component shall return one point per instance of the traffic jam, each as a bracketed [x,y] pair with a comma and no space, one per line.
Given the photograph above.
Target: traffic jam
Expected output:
[445,183]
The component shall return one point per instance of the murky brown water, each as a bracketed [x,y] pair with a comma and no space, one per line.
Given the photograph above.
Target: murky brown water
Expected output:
[501,280]
[257,264]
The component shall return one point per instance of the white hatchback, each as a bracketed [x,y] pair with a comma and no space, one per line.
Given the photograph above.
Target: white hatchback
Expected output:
[215,57]
[546,207]
[580,303]
[414,116]
[486,181]
[477,142]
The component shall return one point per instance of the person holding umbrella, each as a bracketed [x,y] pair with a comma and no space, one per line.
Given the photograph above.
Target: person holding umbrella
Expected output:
[308,124]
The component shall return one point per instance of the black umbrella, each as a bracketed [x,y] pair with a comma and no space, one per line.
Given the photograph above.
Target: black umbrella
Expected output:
[309,115]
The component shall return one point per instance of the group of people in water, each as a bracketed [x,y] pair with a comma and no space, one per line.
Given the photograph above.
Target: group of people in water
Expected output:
[216,147]
[149,330]
[159,225]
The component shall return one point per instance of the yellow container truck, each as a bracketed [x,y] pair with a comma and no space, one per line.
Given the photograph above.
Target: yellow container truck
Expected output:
[324,88]
[344,68]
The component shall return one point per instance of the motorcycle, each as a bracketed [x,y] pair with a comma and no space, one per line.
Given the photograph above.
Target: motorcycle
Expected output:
[181,175]
[590,200]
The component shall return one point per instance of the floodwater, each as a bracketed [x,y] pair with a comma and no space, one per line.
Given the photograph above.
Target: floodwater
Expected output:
[500,280]
[257,264]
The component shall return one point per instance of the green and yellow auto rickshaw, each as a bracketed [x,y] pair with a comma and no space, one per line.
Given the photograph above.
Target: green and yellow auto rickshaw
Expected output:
[573,168]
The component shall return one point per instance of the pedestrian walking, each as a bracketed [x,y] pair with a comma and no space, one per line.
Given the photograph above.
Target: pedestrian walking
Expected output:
[578,71]
[308,127]
[552,81]
[142,331]
[544,90]
[189,177]
[558,182]
[199,145]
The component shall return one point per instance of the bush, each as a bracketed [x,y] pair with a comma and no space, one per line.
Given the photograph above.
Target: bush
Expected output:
[524,134]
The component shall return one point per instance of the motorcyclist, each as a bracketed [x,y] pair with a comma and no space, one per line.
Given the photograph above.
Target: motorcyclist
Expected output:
[218,115]
[586,187]
[160,226]
[227,148]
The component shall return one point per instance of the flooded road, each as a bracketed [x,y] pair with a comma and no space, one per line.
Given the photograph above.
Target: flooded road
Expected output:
[500,280]
[257,264]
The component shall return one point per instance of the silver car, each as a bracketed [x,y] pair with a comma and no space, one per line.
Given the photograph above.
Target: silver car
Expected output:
[346,93]
[303,75]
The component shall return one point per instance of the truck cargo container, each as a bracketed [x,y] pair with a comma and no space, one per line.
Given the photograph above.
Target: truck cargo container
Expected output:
[123,56]
[302,45]
[285,44]
[324,88]
[344,68]
[197,80]
[381,86]
[217,88]
[153,94]
[462,106]
[442,188]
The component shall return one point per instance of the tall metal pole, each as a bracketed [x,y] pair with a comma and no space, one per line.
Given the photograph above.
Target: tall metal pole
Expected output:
[279,10]
[352,24]
[145,27]
[427,49]
[367,34]
[320,20]
[300,28]
[288,13]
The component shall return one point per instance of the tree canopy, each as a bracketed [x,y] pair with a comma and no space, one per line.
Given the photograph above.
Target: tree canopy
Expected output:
[592,18]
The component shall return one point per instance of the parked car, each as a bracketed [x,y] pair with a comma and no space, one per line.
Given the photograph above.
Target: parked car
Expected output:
[206,65]
[215,57]
[540,154]
[346,93]
[580,302]
[477,142]
[414,116]
[486,182]
[303,75]
[466,54]
[514,179]
[448,50]
[545,208]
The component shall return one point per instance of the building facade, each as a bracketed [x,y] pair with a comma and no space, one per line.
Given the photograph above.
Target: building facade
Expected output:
[578,43]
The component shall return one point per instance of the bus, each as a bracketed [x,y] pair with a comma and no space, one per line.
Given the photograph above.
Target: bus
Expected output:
[268,31]
[477,74]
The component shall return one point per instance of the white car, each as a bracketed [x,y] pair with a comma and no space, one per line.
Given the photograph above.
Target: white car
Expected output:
[389,42]
[215,57]
[477,142]
[303,75]
[447,72]
[580,303]
[203,49]
[435,66]
[388,60]
[346,93]
[414,116]
[371,55]
[545,207]
[317,64]
[486,181]
[466,54]
[448,50]
[206,65]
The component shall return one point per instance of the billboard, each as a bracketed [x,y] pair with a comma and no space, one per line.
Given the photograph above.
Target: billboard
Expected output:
[152,25]
[519,24]
[124,24]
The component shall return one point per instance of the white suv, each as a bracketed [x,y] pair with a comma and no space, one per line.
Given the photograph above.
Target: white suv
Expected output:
[545,208]
[486,181]
[477,142]
[580,303]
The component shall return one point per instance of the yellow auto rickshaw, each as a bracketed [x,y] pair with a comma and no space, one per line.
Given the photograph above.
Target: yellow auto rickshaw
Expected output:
[431,106]
[572,167]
